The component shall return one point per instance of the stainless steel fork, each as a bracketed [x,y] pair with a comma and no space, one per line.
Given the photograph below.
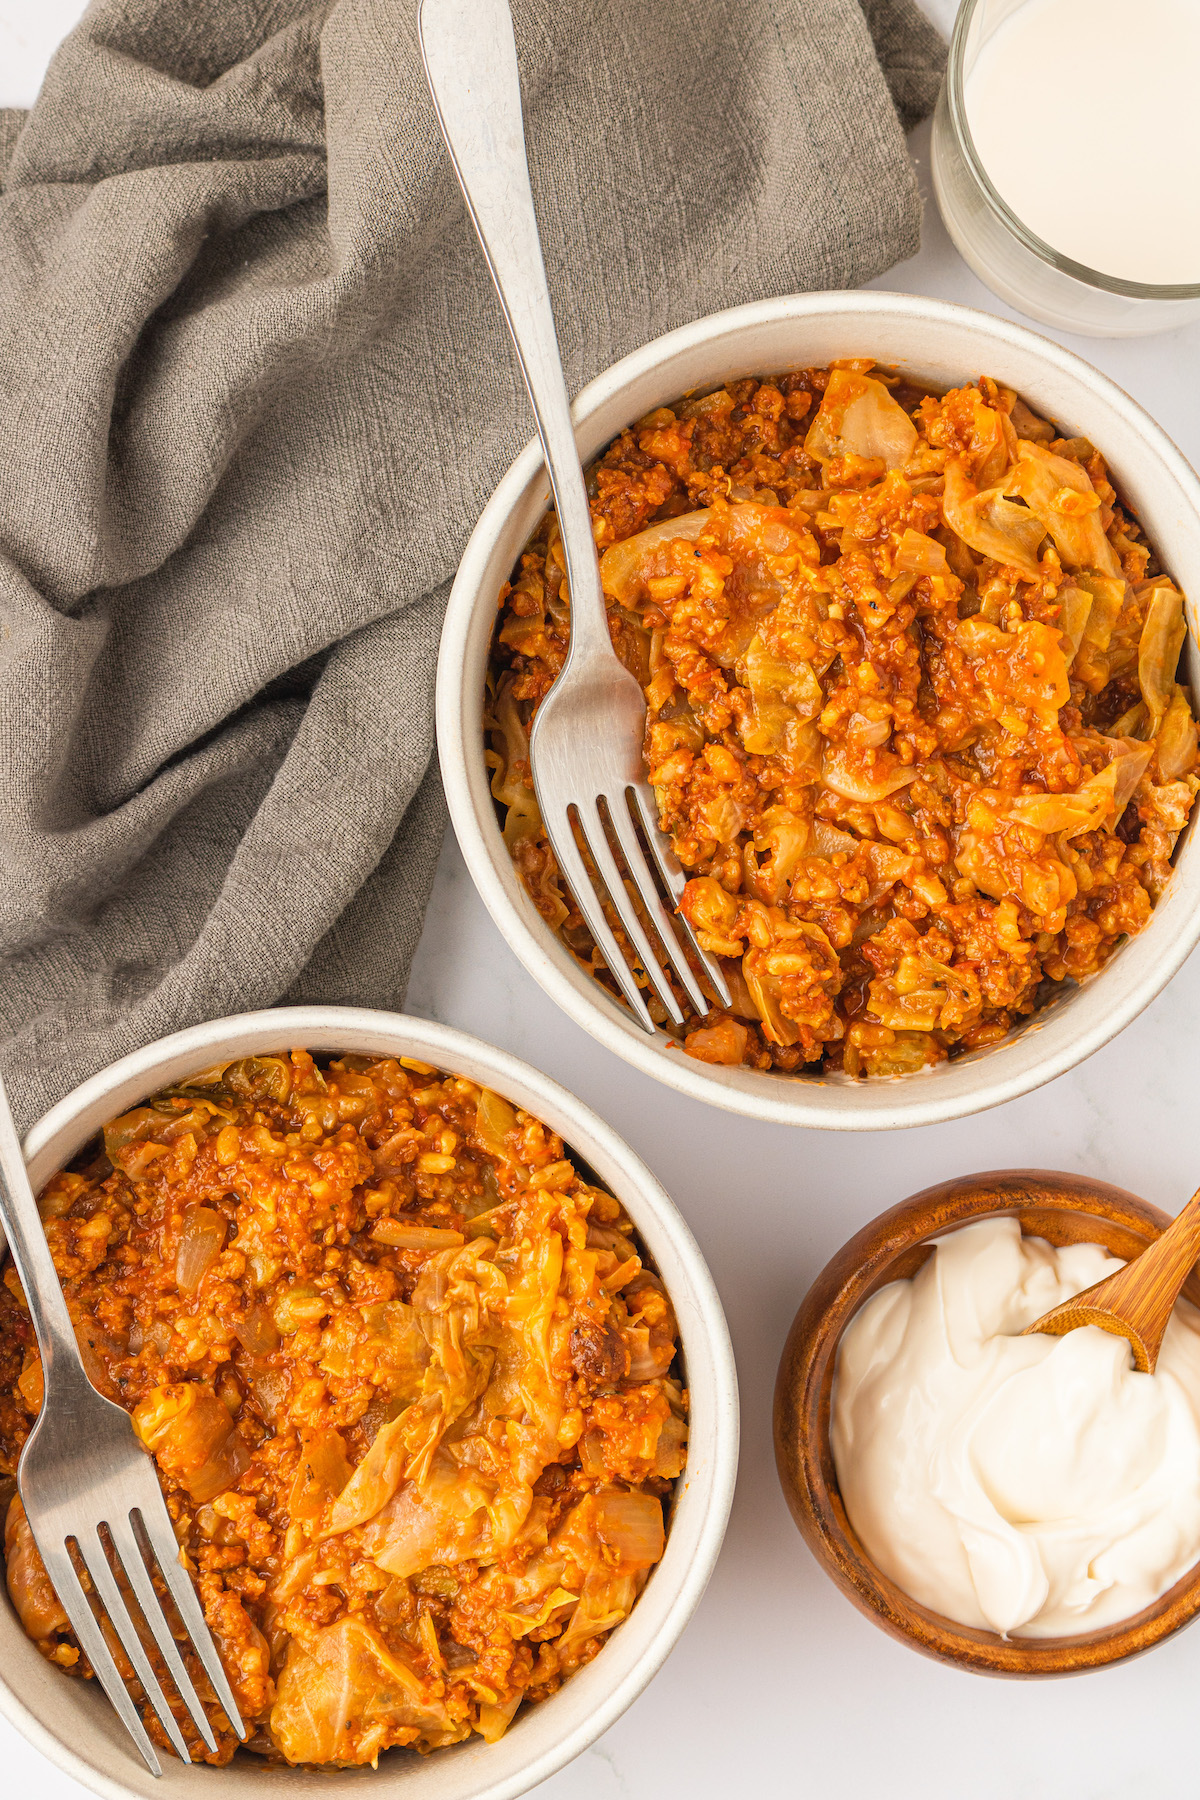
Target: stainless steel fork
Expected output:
[83,1472]
[586,744]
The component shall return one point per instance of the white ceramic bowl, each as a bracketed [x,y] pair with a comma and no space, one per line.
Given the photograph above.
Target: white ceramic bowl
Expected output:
[72,1723]
[943,343]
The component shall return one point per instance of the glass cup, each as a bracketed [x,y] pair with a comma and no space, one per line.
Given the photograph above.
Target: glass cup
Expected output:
[1011,259]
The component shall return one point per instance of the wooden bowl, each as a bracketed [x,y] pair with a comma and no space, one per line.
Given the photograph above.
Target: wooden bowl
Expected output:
[1064,1209]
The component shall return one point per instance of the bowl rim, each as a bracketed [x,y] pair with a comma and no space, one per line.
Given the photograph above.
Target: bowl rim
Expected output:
[883,1104]
[888,1249]
[583,1708]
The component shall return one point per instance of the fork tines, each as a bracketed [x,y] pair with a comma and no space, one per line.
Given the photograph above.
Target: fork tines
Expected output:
[617,814]
[114,1555]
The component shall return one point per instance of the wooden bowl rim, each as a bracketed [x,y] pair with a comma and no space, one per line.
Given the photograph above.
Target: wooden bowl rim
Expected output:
[802,1407]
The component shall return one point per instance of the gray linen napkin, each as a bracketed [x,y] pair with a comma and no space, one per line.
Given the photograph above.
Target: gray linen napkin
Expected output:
[256,389]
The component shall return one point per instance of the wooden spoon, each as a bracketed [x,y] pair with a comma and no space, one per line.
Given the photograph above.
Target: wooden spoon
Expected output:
[1137,1301]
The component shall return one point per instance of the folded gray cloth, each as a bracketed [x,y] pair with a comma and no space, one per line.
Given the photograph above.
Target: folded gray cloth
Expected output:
[256,389]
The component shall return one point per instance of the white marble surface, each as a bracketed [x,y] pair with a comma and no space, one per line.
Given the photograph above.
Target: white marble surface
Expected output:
[778,1686]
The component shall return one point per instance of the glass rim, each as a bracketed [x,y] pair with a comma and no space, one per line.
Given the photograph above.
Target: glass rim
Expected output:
[1057,259]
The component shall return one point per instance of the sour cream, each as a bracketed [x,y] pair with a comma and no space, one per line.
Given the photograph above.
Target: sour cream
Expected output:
[1033,1486]
[1084,114]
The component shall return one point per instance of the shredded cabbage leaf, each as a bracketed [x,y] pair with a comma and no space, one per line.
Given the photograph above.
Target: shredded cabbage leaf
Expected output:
[858,417]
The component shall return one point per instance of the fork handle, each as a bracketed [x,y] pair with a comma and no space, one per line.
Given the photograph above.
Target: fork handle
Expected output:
[470,57]
[61,1362]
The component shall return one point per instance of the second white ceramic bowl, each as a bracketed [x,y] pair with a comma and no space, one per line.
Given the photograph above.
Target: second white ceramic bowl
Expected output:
[945,344]
[72,1723]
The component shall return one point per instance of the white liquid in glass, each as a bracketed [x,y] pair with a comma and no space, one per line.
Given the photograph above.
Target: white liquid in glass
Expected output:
[1086,116]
